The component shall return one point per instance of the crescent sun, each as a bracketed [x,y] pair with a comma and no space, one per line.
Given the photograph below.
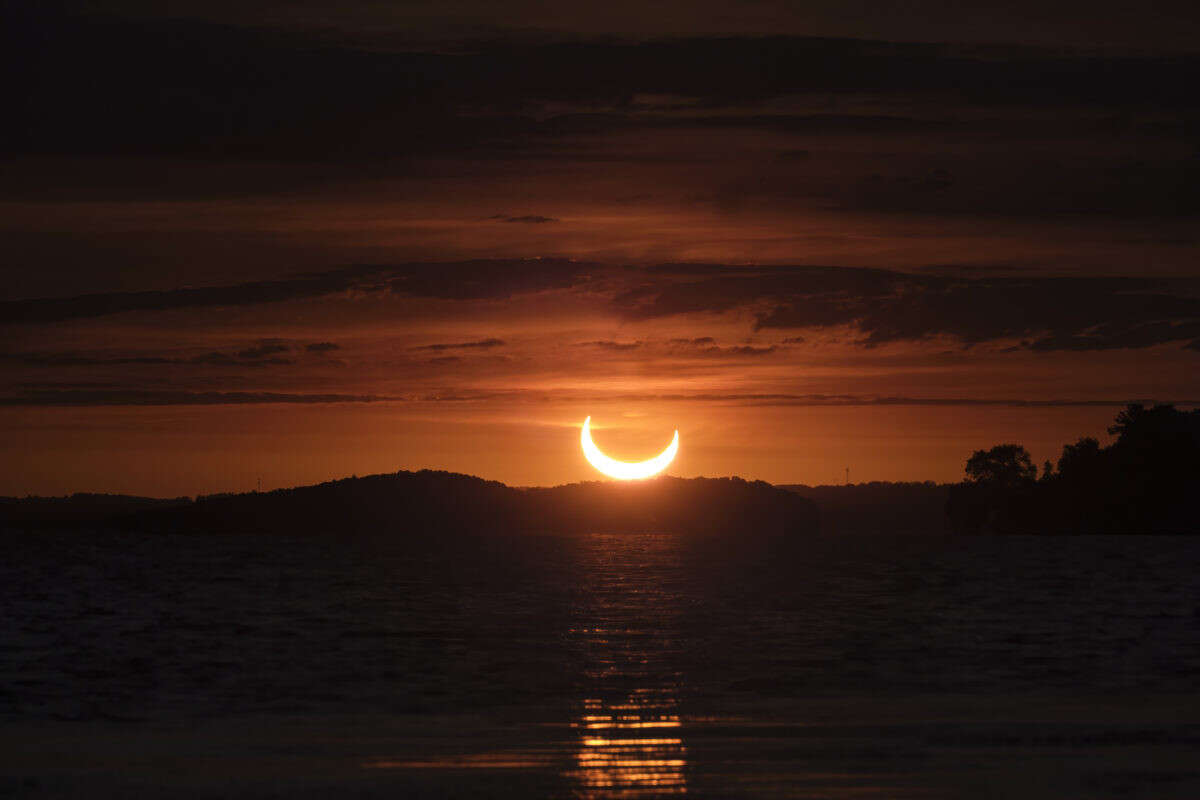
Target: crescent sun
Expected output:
[625,470]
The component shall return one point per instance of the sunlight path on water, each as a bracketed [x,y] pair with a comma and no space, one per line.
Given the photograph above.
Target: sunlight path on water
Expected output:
[630,735]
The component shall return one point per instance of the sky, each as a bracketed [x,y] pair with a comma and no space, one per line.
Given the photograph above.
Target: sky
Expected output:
[277,243]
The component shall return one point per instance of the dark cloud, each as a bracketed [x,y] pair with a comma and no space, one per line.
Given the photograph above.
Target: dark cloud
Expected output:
[788,399]
[50,359]
[917,128]
[605,344]
[794,340]
[217,90]
[446,360]
[1115,336]
[322,347]
[58,309]
[480,344]
[259,356]
[799,124]
[462,280]
[1157,25]
[768,399]
[1057,313]
[264,349]
[141,397]
[529,219]
[707,346]
[214,359]
[485,279]
[1026,184]
[701,345]
[743,350]
[253,357]
[696,288]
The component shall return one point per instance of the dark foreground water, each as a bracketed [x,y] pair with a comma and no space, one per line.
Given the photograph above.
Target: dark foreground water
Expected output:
[599,666]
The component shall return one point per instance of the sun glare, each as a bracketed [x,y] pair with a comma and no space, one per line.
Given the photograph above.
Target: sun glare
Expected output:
[625,470]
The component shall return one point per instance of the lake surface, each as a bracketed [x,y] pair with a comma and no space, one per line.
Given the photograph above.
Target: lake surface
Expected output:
[599,666]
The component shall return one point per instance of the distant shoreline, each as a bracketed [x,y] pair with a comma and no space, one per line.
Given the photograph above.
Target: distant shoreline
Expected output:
[440,501]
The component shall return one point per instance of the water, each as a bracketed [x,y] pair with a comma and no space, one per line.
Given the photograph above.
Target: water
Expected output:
[599,666]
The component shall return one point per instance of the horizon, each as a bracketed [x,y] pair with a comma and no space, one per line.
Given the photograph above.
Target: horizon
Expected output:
[665,474]
[581,471]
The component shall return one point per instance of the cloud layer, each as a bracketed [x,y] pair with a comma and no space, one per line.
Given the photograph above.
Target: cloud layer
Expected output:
[1043,313]
[470,280]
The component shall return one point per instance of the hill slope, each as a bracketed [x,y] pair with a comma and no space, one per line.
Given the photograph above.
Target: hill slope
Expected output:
[429,501]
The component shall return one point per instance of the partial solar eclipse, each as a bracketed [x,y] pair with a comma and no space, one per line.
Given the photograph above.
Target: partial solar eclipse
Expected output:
[625,470]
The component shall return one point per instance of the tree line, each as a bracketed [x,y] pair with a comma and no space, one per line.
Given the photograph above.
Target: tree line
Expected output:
[1146,481]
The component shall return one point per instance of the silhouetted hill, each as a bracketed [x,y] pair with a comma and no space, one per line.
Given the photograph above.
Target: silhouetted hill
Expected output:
[879,506]
[702,505]
[77,508]
[430,502]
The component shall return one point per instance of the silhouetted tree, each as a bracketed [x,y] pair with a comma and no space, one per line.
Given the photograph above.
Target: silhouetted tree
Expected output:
[1145,482]
[1005,465]
[1163,423]
[1127,418]
[1078,456]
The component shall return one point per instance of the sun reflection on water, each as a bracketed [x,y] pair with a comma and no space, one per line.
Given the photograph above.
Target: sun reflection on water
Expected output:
[625,749]
[630,733]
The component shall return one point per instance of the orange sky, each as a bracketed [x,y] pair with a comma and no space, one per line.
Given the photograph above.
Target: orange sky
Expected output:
[168,452]
[840,254]
[497,385]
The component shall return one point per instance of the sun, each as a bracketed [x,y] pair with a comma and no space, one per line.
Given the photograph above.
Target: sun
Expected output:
[625,470]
